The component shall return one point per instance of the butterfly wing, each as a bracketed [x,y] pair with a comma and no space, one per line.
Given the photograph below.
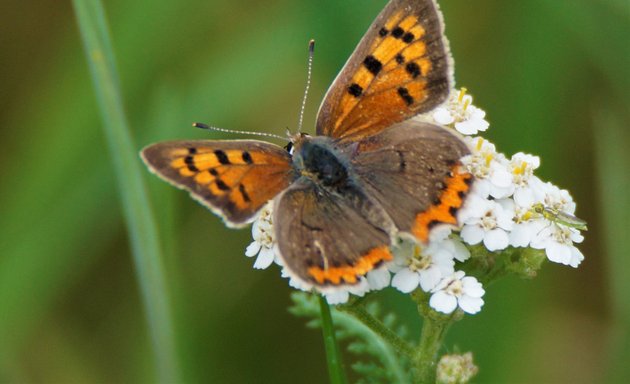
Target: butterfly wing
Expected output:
[327,238]
[233,178]
[400,68]
[412,170]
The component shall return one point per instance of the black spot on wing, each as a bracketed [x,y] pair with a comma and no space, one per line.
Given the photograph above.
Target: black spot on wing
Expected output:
[221,185]
[241,189]
[222,157]
[373,64]
[247,158]
[400,58]
[383,32]
[408,37]
[190,163]
[355,90]
[413,69]
[398,32]
[404,94]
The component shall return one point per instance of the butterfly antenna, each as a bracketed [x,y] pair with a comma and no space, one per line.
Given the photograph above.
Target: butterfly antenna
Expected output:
[311,50]
[265,134]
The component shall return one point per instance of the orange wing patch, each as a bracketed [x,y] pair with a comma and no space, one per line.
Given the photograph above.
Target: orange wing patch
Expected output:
[445,209]
[400,69]
[349,274]
[235,178]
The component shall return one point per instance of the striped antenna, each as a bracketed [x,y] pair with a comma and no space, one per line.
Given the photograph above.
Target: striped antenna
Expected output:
[265,134]
[311,50]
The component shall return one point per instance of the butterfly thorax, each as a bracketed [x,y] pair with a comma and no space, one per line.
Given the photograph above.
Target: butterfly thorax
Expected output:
[318,159]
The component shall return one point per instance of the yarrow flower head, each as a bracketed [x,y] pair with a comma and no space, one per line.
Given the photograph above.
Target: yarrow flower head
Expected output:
[456,369]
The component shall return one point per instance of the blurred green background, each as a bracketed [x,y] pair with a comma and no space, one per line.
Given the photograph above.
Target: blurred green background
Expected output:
[553,76]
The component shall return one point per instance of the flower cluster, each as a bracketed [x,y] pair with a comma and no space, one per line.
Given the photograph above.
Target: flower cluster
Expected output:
[507,207]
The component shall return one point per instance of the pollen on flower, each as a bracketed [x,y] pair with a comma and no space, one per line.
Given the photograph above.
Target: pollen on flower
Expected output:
[458,113]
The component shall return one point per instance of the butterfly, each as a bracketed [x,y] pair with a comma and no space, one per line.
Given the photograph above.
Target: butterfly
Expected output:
[370,175]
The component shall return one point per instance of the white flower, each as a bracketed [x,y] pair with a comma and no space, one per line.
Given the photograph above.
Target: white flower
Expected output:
[525,227]
[486,220]
[459,113]
[378,278]
[263,245]
[340,295]
[415,265]
[557,199]
[457,290]
[490,168]
[528,188]
[557,241]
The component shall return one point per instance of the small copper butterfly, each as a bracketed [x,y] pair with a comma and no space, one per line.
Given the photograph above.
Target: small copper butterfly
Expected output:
[368,176]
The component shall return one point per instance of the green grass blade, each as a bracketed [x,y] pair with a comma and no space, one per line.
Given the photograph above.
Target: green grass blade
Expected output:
[138,215]
[333,355]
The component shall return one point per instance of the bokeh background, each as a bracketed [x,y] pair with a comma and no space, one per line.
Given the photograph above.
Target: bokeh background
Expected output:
[553,77]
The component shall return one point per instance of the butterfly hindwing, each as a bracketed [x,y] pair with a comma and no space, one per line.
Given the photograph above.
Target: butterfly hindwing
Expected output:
[234,178]
[412,170]
[400,68]
[327,238]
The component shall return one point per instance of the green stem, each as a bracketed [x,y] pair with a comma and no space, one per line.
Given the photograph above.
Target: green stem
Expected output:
[434,327]
[333,355]
[425,359]
[361,314]
[138,215]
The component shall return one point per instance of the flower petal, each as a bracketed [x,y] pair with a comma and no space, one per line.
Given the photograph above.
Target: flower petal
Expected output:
[406,280]
[252,249]
[443,302]
[264,259]
[496,239]
[470,304]
[379,278]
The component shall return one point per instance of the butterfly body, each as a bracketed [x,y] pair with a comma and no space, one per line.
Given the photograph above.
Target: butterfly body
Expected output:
[368,176]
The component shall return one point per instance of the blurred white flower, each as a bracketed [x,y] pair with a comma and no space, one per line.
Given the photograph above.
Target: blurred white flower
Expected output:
[378,278]
[415,264]
[459,113]
[528,188]
[487,221]
[457,290]
[456,369]
[490,169]
[263,244]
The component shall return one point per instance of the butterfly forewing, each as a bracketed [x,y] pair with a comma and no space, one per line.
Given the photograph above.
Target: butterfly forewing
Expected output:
[400,68]
[233,178]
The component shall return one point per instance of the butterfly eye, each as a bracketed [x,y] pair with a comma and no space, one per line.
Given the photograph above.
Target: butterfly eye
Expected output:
[289,148]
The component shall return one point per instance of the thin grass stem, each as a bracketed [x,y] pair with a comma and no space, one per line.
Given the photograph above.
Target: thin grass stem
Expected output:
[138,215]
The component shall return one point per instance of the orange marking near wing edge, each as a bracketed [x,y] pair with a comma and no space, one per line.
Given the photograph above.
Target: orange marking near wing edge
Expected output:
[441,212]
[349,273]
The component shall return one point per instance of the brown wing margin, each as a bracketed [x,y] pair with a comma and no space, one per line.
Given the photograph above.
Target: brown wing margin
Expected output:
[400,68]
[234,178]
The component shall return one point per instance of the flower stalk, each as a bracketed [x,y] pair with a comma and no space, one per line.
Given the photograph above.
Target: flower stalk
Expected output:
[333,355]
[377,326]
